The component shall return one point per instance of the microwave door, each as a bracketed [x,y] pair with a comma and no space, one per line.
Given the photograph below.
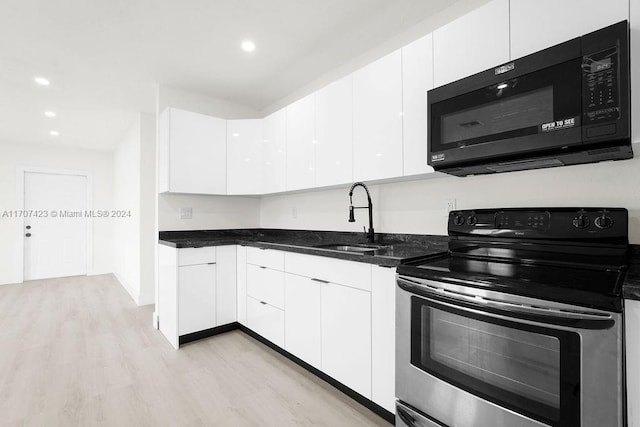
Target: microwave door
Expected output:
[539,110]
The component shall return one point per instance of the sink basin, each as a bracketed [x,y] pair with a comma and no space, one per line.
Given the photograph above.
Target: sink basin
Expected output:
[360,248]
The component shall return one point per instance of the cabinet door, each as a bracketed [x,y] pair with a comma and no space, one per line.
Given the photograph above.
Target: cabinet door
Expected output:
[383,336]
[274,153]
[417,79]
[334,133]
[244,156]
[266,320]
[301,144]
[197,153]
[472,43]
[563,20]
[377,119]
[346,336]
[196,298]
[225,285]
[302,318]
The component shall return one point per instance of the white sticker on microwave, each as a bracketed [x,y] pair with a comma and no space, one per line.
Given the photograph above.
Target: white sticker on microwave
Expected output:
[558,125]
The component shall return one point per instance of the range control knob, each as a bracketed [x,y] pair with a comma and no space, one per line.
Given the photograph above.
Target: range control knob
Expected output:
[472,220]
[603,221]
[458,219]
[581,221]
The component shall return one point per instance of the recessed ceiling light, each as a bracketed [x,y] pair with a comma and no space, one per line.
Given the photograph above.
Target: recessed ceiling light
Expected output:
[54,133]
[41,81]
[248,46]
[502,85]
[49,114]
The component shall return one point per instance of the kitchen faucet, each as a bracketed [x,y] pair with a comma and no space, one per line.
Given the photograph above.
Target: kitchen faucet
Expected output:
[370,233]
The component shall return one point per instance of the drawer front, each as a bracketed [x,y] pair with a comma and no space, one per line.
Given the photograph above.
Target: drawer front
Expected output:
[266,320]
[265,284]
[266,258]
[348,273]
[193,256]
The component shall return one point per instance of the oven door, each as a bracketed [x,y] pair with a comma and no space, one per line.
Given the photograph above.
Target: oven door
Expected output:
[534,112]
[467,359]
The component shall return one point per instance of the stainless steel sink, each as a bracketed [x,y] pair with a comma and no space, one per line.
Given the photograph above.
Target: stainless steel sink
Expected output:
[359,248]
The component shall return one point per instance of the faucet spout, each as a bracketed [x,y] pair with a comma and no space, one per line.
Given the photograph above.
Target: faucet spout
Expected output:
[370,232]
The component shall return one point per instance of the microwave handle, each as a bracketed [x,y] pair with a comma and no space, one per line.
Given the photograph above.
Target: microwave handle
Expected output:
[576,319]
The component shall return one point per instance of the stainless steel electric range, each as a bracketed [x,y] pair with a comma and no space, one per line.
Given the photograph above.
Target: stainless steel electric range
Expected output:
[519,324]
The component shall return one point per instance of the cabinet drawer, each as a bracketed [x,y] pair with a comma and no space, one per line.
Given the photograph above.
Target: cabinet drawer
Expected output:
[266,320]
[192,256]
[266,258]
[348,273]
[265,284]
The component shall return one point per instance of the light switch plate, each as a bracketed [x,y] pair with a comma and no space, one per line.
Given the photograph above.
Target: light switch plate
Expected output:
[185,213]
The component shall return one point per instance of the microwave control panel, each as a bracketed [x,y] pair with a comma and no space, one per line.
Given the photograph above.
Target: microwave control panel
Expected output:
[601,97]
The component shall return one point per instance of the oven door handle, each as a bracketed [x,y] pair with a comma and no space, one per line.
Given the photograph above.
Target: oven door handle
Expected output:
[491,307]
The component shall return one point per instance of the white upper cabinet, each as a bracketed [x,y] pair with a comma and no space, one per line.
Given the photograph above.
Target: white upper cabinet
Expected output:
[192,152]
[244,156]
[301,144]
[537,25]
[417,79]
[472,43]
[377,119]
[274,152]
[334,133]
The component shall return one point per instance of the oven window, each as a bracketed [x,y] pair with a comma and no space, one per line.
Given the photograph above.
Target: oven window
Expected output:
[527,368]
[517,361]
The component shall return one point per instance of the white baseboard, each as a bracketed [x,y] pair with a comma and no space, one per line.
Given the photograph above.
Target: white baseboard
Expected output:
[128,288]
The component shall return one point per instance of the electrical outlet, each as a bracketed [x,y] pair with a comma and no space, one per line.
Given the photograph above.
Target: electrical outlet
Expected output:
[185,213]
[294,213]
[450,205]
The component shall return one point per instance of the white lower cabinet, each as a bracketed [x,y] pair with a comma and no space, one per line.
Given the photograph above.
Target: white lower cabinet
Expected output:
[346,336]
[241,284]
[302,318]
[196,298]
[266,320]
[197,289]
[383,336]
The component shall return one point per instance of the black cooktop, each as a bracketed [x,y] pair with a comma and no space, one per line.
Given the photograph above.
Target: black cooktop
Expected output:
[576,256]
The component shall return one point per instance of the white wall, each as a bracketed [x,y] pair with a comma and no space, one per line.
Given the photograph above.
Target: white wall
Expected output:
[209,212]
[126,196]
[98,163]
[419,206]
[148,208]
[134,190]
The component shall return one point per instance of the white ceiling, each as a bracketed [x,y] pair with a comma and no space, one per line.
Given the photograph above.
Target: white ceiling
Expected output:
[104,58]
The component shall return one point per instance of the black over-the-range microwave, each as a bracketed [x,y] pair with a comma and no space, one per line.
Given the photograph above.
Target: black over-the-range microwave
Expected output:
[565,105]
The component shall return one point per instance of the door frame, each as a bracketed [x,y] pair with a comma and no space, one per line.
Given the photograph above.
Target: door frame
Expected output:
[21,171]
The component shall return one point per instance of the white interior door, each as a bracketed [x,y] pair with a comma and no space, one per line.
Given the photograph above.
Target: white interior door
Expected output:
[55,231]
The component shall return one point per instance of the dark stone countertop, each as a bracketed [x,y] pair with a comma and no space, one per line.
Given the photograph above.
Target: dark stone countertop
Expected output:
[400,247]
[631,285]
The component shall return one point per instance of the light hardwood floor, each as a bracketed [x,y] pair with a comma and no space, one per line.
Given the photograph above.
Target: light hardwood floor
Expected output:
[78,352]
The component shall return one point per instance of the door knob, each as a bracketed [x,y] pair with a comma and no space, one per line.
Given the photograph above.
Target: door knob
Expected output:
[28,234]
